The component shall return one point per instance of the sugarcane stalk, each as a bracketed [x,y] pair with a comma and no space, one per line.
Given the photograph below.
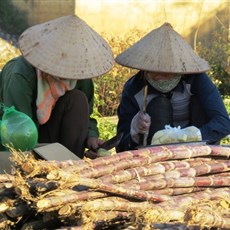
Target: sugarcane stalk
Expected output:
[136,157]
[220,151]
[159,216]
[45,166]
[198,170]
[168,204]
[152,169]
[209,194]
[69,209]
[184,151]
[178,191]
[117,204]
[172,182]
[154,154]
[212,167]
[68,196]
[108,169]
[166,153]
[178,173]
[115,189]
[140,209]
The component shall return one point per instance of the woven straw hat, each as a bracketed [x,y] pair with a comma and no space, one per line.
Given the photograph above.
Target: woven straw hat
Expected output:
[163,50]
[67,48]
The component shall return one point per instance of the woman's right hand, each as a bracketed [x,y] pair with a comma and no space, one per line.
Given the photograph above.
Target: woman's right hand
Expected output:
[140,125]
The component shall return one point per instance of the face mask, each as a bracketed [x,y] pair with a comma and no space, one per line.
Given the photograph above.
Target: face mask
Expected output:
[164,86]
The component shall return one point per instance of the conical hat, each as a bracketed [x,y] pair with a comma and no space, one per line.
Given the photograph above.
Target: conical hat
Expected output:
[163,50]
[67,48]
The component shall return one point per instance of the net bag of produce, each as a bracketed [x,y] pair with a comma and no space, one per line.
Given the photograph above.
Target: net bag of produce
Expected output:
[17,130]
[176,134]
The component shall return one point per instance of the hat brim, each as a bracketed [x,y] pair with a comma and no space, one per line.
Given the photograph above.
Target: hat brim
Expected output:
[67,48]
[163,50]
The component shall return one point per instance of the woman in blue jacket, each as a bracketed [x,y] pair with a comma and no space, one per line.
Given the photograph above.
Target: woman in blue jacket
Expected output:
[170,88]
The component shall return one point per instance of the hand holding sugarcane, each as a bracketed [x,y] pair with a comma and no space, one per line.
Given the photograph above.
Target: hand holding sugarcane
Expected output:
[93,143]
[140,125]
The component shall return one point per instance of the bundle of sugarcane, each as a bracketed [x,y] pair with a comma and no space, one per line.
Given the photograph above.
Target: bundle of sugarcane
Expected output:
[180,184]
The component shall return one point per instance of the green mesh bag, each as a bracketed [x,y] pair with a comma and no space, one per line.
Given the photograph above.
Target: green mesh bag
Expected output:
[17,130]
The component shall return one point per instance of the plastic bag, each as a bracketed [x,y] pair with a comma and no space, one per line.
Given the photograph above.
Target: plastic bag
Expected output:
[176,134]
[17,130]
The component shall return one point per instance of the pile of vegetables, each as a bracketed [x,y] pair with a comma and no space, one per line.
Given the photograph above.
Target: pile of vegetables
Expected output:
[155,187]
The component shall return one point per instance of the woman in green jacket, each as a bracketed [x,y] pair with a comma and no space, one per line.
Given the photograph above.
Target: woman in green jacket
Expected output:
[51,82]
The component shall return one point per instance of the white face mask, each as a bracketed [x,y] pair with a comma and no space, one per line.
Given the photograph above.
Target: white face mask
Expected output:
[164,85]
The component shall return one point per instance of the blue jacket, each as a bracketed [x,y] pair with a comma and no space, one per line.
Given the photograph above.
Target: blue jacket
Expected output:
[217,124]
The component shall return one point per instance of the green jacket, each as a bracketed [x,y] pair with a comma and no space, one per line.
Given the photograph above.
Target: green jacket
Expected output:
[18,87]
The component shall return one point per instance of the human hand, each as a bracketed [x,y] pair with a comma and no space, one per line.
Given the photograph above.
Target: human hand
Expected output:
[175,135]
[140,125]
[93,143]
